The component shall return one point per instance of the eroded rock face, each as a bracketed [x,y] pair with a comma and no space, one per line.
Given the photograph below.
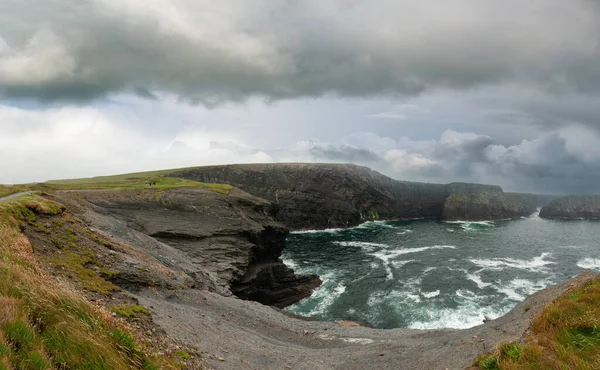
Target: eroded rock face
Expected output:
[573,207]
[225,243]
[475,202]
[340,195]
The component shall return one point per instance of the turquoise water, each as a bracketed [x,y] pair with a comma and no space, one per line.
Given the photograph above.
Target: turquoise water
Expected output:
[432,274]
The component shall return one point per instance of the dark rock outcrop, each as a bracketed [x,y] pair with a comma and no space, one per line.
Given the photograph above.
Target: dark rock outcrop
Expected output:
[482,202]
[225,243]
[573,207]
[340,195]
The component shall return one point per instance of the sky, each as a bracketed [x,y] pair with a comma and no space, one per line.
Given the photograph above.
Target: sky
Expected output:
[500,92]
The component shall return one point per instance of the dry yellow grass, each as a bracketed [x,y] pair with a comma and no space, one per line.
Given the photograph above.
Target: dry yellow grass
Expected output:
[565,335]
[45,324]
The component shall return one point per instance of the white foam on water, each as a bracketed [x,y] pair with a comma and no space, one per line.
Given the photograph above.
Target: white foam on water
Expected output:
[407,231]
[467,315]
[410,296]
[518,289]
[399,264]
[464,293]
[431,294]
[420,249]
[535,215]
[510,293]
[387,255]
[340,289]
[290,263]
[370,224]
[396,264]
[364,225]
[364,245]
[484,223]
[328,297]
[470,311]
[460,270]
[427,269]
[474,277]
[469,225]
[325,295]
[589,263]
[570,246]
[323,231]
[535,264]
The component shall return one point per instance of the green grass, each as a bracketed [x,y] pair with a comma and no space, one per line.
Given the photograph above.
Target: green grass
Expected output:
[159,179]
[138,180]
[24,209]
[13,189]
[565,335]
[128,310]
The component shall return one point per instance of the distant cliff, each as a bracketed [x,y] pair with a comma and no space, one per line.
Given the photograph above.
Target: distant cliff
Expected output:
[482,202]
[340,195]
[573,207]
[532,200]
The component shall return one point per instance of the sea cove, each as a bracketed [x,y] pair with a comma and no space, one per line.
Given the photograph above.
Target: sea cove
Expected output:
[428,274]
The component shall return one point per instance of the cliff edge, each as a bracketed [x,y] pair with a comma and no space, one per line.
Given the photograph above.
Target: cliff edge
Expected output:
[573,207]
[317,195]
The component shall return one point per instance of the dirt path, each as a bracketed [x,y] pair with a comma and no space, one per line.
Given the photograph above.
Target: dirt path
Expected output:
[13,196]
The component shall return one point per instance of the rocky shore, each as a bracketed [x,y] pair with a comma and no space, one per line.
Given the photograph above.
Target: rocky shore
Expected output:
[573,207]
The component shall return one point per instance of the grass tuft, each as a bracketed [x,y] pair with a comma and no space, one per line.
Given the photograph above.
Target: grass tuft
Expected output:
[44,325]
[566,335]
[130,310]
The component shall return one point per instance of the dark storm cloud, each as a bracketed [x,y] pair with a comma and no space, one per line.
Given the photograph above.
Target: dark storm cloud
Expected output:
[211,52]
[550,164]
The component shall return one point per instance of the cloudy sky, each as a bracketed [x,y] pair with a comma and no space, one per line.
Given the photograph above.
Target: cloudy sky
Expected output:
[503,92]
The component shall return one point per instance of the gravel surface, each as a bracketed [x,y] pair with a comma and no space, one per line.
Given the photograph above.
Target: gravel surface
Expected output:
[236,334]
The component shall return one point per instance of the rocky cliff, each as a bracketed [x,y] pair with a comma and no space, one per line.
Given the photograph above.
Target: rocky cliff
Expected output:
[573,207]
[222,243]
[482,202]
[339,195]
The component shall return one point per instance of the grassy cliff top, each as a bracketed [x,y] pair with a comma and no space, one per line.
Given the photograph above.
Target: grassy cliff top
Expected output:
[138,180]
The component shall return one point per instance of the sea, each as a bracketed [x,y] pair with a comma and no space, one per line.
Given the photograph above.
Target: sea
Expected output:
[429,274]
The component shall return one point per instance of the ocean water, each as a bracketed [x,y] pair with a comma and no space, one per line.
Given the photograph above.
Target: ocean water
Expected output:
[429,274]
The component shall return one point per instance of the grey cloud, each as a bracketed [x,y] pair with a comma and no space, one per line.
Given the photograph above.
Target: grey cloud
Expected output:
[552,163]
[212,52]
[342,153]
[545,164]
[461,151]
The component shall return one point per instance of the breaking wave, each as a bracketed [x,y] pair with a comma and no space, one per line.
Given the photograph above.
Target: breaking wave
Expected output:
[589,263]
[535,264]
